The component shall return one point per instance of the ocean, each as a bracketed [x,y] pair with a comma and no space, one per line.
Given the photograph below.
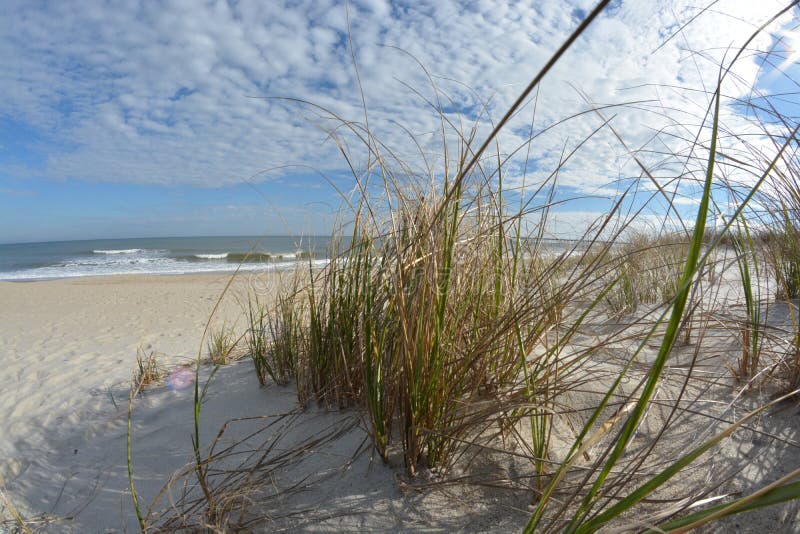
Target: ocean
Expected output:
[163,255]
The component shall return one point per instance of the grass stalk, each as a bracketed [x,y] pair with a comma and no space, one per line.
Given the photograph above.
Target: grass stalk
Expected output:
[258,343]
[15,515]
[134,391]
[668,339]
[747,258]
[221,343]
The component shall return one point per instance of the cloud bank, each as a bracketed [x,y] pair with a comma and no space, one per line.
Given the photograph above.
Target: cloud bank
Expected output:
[175,92]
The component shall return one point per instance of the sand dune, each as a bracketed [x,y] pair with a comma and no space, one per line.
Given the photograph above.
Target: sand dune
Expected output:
[67,350]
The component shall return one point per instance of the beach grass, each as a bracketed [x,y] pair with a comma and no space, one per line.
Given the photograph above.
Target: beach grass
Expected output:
[221,345]
[261,352]
[148,370]
[444,319]
[6,505]
[647,268]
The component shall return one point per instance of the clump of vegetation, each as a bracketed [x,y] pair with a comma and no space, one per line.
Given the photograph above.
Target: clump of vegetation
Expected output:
[261,349]
[646,270]
[434,316]
[221,344]
[441,315]
[256,338]
[783,251]
[286,342]
[148,370]
[752,328]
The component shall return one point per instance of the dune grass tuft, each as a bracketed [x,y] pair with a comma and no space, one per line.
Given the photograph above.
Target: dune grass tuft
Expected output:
[445,317]
[221,345]
[148,370]
[269,360]
[647,268]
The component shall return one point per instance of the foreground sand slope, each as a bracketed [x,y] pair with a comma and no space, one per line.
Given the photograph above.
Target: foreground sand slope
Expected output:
[67,348]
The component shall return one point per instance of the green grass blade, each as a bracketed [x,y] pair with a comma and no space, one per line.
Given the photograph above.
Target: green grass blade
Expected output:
[775,493]
[665,475]
[129,462]
[671,333]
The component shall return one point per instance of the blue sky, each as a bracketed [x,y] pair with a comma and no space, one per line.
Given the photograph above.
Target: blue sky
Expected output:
[124,120]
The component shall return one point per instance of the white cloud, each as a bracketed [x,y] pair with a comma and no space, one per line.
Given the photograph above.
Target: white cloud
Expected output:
[169,92]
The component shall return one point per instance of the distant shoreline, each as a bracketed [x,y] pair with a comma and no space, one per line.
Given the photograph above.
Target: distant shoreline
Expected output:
[119,277]
[69,259]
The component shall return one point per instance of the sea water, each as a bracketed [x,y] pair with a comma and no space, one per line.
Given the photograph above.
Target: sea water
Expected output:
[163,255]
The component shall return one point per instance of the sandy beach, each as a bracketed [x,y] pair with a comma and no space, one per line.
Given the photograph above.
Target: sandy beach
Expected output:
[68,349]
[398,267]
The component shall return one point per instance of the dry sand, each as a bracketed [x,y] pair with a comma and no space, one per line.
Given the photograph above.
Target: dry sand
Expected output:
[67,348]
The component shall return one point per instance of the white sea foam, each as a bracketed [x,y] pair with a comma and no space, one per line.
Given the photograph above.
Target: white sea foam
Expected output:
[212,256]
[161,265]
[119,251]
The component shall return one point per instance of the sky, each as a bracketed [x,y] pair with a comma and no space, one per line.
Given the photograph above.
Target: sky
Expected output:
[171,118]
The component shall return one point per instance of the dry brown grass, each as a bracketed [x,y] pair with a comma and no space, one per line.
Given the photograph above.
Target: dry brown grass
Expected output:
[148,370]
[221,345]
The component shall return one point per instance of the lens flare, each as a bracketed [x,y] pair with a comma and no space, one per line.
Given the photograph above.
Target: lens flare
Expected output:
[180,378]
